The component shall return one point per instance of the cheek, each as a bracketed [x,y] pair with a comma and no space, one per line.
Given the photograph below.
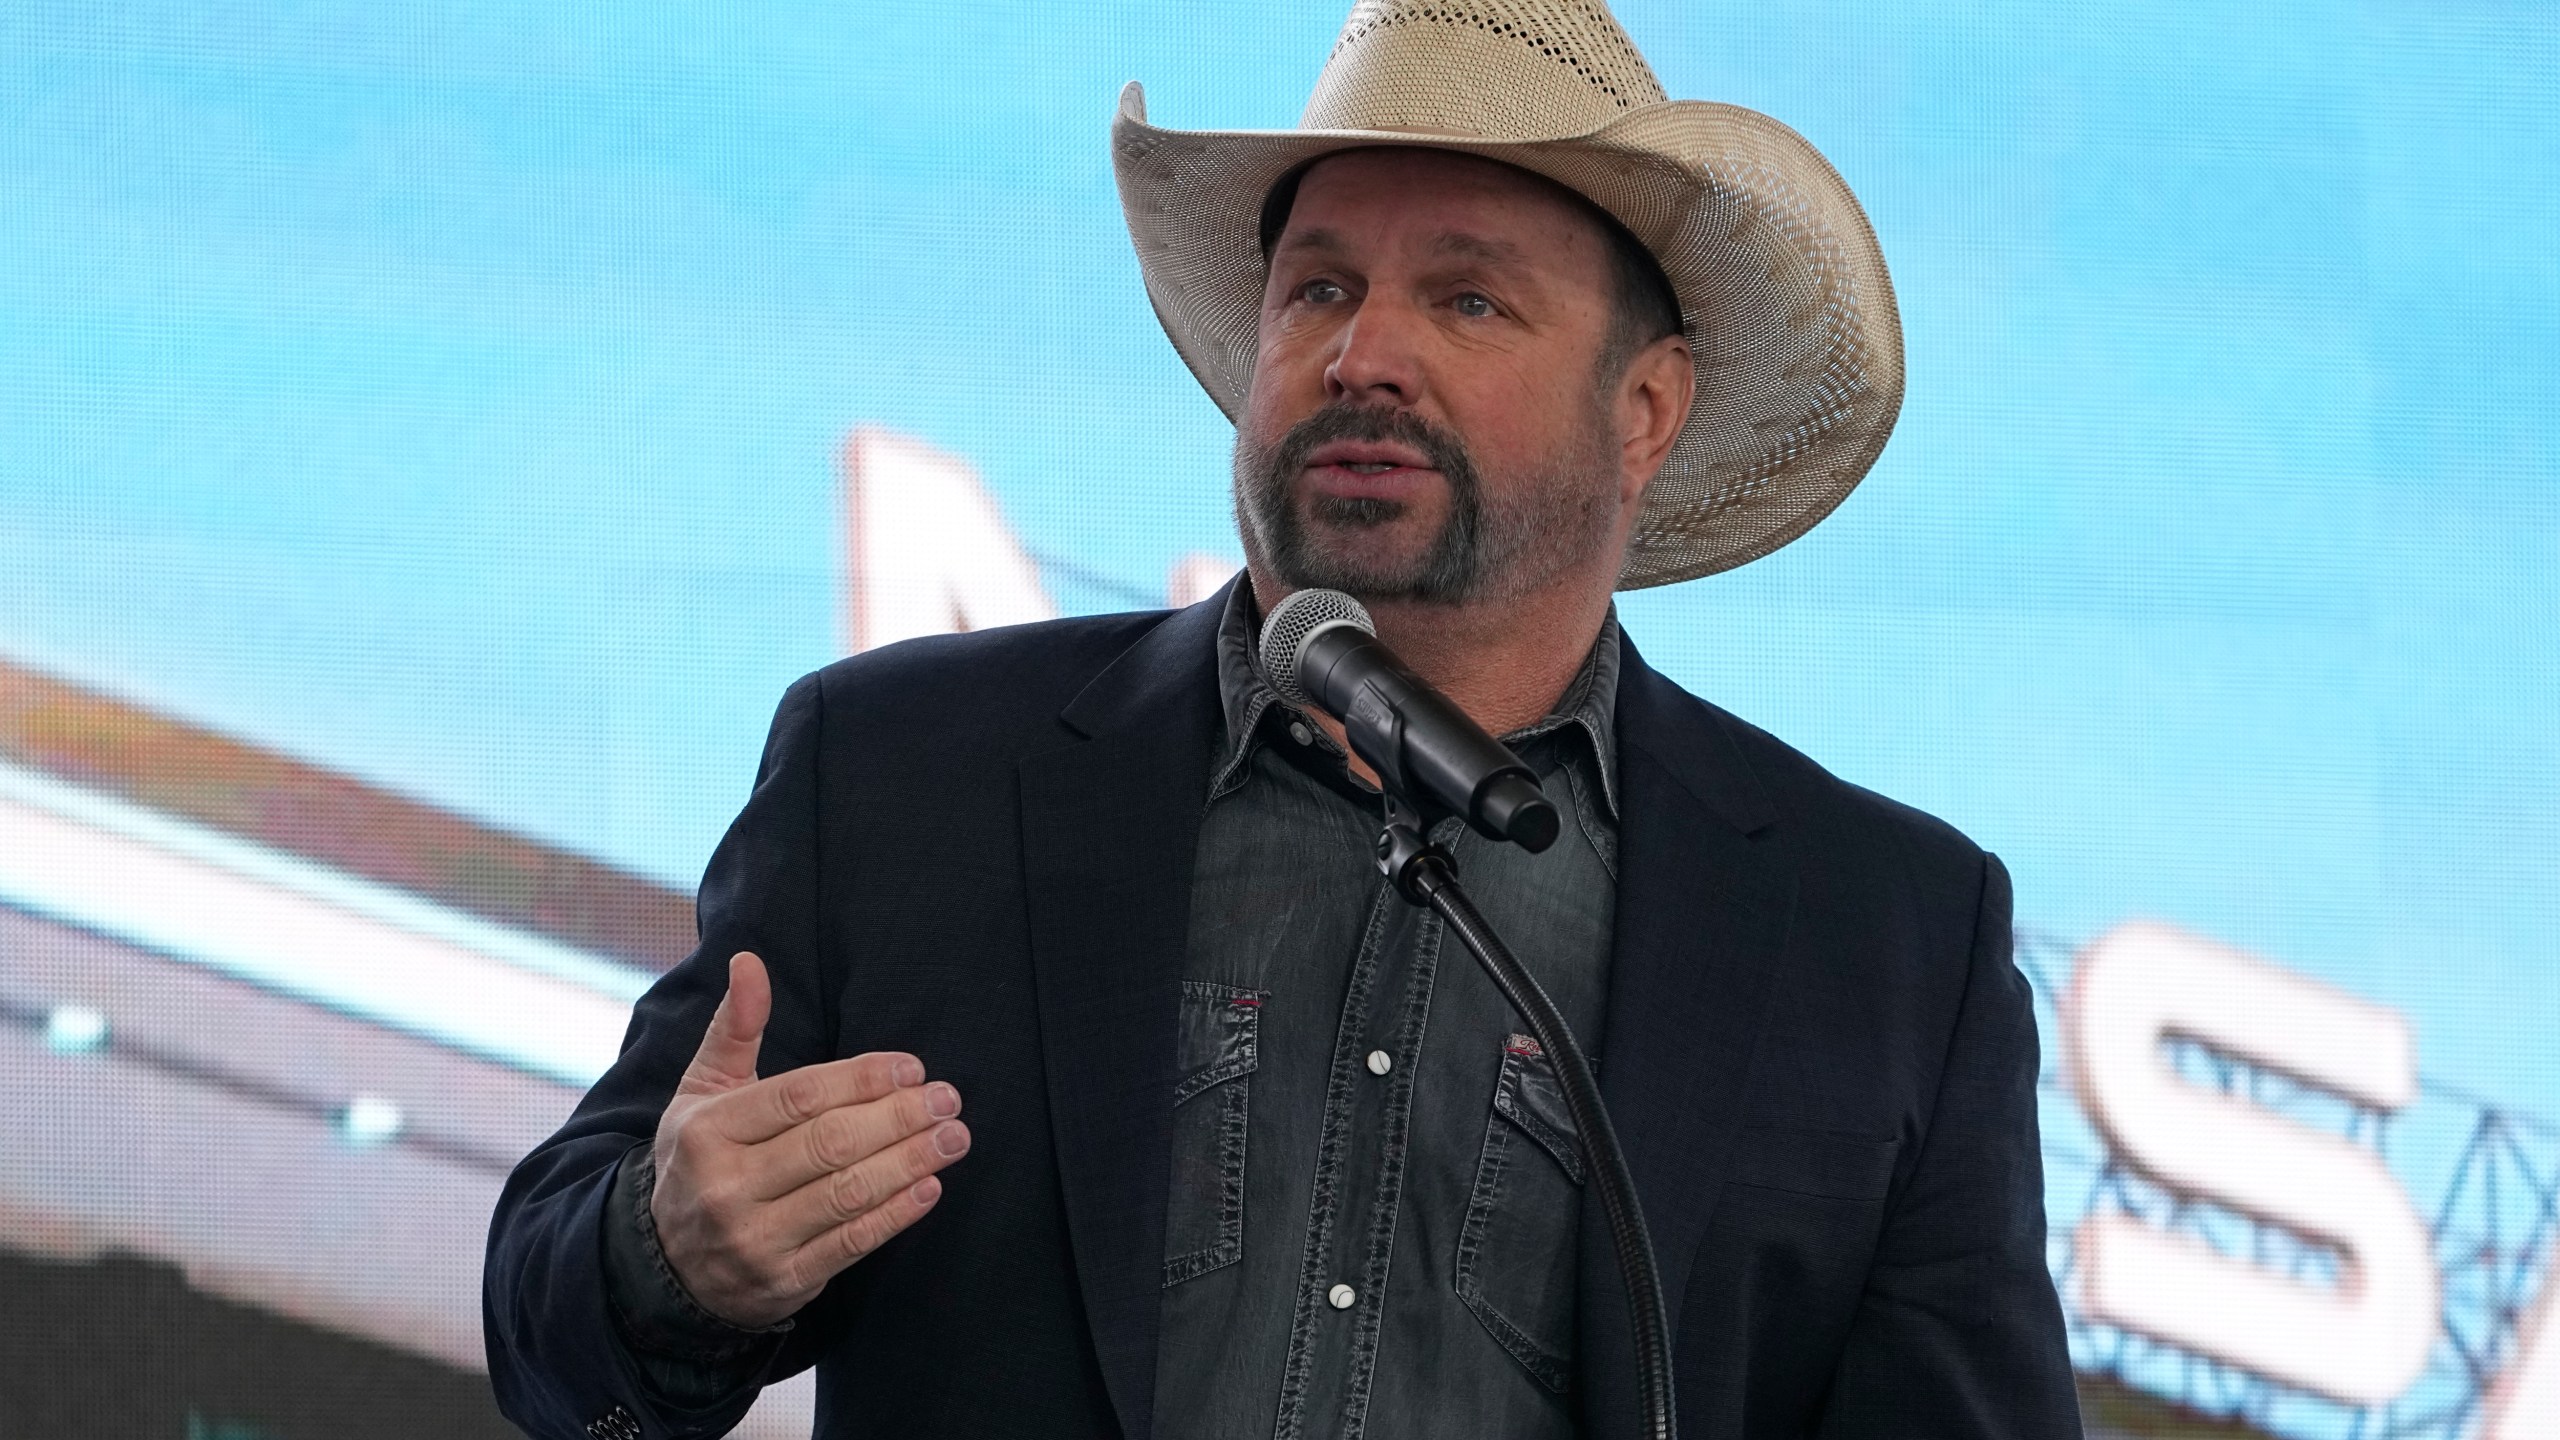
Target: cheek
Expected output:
[1288,384]
[1266,416]
[1524,425]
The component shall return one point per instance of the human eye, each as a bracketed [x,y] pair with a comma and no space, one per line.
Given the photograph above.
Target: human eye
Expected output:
[1322,292]
[1475,306]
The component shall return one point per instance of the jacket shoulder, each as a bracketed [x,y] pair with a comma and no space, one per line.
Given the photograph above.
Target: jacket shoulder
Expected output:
[979,681]
[1834,813]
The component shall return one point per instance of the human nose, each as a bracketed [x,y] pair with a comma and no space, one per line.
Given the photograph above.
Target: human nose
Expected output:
[1377,359]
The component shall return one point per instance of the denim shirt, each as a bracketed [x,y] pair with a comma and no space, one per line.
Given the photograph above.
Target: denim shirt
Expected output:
[1376,1187]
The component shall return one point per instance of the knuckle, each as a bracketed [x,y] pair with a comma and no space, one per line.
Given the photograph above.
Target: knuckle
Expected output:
[917,1158]
[714,1206]
[801,1096]
[831,1141]
[895,1218]
[853,1193]
[915,1112]
[767,1274]
[727,1207]
[853,1241]
[817,1264]
[868,1234]
[789,1281]
[899,1114]
[692,1162]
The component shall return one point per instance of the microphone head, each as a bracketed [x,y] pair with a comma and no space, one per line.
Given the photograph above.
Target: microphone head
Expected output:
[1297,619]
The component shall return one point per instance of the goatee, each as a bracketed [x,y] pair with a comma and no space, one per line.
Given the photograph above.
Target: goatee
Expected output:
[1479,553]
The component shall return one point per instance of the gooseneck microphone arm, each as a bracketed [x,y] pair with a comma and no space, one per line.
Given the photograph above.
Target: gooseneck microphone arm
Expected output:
[1431,758]
[1424,875]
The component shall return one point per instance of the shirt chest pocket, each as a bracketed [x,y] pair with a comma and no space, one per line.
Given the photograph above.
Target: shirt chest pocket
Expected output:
[1516,1249]
[1215,1051]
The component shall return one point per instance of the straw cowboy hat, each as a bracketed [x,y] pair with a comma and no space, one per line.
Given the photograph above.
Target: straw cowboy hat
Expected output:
[1783,292]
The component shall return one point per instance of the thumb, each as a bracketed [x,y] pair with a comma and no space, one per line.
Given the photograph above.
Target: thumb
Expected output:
[727,1057]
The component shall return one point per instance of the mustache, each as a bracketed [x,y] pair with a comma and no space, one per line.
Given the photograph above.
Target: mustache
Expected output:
[1340,421]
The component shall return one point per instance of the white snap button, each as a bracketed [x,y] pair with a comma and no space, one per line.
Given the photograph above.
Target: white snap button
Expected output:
[1299,732]
[1380,1062]
[1343,1297]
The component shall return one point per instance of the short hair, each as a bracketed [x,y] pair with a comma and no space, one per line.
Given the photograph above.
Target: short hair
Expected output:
[1643,307]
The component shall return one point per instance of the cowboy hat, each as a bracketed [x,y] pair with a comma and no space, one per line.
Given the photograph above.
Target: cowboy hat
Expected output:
[1783,293]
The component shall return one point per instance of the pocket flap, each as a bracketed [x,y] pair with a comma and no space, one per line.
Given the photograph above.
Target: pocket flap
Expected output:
[1220,1029]
[1532,1098]
[1817,1162]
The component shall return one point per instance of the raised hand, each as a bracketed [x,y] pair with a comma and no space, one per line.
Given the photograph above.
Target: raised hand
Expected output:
[767,1188]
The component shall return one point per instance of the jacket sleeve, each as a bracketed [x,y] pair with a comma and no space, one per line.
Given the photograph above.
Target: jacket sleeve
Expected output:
[693,1357]
[1959,1331]
[560,1357]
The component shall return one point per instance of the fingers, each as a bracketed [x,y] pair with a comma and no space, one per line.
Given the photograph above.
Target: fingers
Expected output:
[817,1262]
[789,1100]
[843,1196]
[767,1190]
[726,1059]
[840,1218]
[846,1136]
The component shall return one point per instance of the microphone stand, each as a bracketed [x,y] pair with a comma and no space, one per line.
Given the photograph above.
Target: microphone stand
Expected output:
[1426,876]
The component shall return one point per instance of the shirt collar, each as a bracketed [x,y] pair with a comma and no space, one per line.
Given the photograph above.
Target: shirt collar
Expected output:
[1589,703]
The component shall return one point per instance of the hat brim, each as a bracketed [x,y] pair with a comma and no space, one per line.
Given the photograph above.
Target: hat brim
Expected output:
[1783,294]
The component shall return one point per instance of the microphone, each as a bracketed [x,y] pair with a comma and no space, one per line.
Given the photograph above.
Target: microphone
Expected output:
[1321,649]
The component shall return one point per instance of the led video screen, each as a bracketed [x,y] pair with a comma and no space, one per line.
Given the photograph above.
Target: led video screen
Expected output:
[433,437]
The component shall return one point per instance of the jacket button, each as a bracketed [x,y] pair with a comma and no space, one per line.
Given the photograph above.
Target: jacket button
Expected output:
[1343,1297]
[1380,1062]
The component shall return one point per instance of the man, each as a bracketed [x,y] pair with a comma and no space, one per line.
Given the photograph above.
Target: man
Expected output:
[1248,1148]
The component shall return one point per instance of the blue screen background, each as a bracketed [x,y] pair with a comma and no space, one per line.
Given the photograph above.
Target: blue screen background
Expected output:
[451,396]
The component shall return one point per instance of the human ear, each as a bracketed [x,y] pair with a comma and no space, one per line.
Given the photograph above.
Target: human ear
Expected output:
[1653,400]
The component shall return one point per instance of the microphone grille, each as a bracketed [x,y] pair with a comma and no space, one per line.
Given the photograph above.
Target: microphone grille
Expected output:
[1295,621]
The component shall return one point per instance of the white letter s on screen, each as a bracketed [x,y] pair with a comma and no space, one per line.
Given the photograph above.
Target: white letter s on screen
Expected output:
[2361,1342]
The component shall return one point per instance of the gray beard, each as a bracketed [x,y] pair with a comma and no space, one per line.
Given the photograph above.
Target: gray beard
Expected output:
[1480,553]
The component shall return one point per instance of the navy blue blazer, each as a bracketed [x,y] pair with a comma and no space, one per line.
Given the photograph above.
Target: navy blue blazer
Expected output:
[977,848]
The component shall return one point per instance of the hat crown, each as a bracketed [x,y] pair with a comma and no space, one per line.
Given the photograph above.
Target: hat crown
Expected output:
[1500,69]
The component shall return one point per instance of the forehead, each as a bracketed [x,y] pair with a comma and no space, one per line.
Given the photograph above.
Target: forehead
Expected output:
[1380,196]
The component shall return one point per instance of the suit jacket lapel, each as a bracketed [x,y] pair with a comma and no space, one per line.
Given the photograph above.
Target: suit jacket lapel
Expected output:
[1108,827]
[1705,896]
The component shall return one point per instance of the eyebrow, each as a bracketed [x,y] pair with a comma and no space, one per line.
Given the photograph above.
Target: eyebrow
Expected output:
[1476,247]
[1312,239]
[1456,243]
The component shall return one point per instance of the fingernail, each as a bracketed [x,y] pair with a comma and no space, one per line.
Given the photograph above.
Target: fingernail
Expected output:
[926,1191]
[941,1102]
[909,1071]
[951,1140]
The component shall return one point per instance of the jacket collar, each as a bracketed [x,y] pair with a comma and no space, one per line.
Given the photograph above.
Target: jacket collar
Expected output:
[1171,671]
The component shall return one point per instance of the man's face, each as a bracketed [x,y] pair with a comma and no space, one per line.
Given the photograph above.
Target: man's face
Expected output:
[1427,421]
